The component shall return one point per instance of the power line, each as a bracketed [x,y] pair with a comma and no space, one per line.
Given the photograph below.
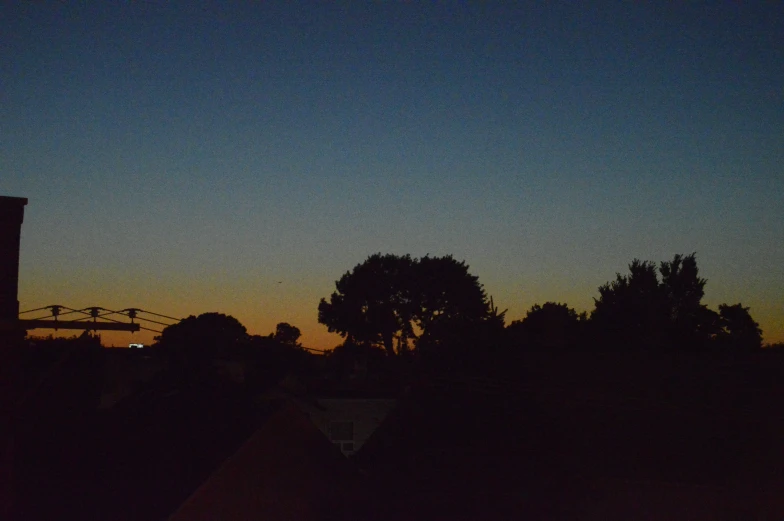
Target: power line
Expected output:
[104,314]
[156,314]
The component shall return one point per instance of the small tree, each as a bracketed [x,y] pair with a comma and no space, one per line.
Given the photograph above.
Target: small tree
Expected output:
[738,329]
[691,324]
[633,308]
[287,334]
[552,325]
[196,339]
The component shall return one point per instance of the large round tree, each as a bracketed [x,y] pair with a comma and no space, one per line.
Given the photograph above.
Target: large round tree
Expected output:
[203,335]
[372,303]
[395,301]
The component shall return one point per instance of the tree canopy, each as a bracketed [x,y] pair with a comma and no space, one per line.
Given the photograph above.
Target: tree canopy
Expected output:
[552,325]
[287,334]
[737,328]
[206,334]
[644,310]
[397,302]
[632,308]
[372,303]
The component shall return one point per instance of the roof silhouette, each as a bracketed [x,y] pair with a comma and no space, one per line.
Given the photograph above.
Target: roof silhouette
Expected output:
[287,470]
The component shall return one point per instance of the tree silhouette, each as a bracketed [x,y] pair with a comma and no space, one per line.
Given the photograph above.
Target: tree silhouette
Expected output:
[552,325]
[632,309]
[691,324]
[372,303]
[204,335]
[447,299]
[349,361]
[682,285]
[639,309]
[393,301]
[738,329]
[287,334]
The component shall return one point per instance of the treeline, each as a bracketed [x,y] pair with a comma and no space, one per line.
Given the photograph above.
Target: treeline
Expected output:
[432,309]
[434,304]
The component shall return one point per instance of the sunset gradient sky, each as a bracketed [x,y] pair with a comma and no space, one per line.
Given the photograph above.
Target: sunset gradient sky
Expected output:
[212,156]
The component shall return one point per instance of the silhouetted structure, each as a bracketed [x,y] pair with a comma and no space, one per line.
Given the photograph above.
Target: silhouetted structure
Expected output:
[11,217]
[285,470]
[12,329]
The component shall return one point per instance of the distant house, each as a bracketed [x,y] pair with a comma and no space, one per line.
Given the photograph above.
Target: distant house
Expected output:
[347,417]
[286,470]
[349,420]
[207,451]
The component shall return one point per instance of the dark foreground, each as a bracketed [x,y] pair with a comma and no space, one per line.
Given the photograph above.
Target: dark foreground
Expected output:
[569,436]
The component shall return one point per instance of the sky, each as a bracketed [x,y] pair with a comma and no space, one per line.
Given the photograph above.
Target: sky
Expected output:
[186,157]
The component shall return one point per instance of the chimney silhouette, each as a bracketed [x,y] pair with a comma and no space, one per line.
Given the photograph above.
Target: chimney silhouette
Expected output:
[11,217]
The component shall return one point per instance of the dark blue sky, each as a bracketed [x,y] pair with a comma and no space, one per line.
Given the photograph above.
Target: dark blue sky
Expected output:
[186,157]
